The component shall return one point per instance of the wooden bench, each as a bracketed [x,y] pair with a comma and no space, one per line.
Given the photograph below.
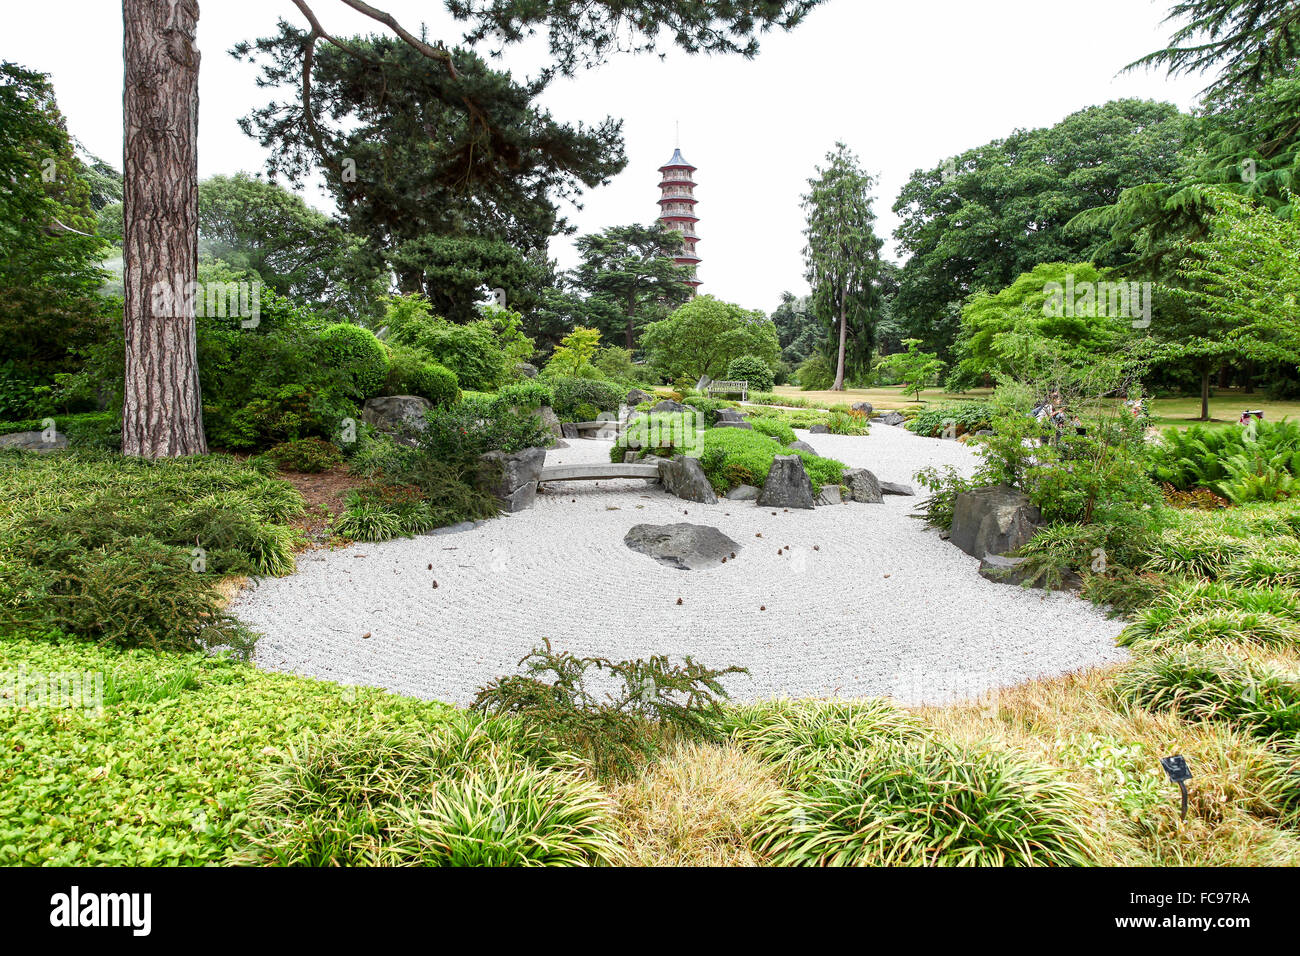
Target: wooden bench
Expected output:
[730,388]
[596,471]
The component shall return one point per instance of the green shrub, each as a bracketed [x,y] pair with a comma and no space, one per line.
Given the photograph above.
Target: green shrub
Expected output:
[1198,457]
[182,740]
[462,794]
[570,394]
[463,432]
[1203,684]
[288,413]
[1201,612]
[305,455]
[801,736]
[815,374]
[410,373]
[928,804]
[708,407]
[128,551]
[847,423]
[527,394]
[358,355]
[751,369]
[653,702]
[93,430]
[773,428]
[732,456]
[954,418]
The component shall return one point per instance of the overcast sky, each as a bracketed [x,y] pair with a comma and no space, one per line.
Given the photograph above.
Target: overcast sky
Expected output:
[904,82]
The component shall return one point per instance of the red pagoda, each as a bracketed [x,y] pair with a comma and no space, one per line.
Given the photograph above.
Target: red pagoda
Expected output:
[677,209]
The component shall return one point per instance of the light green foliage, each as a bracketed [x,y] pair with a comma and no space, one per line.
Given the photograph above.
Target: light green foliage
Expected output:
[357,355]
[928,803]
[478,352]
[961,418]
[411,373]
[573,356]
[1008,332]
[915,368]
[733,456]
[705,335]
[168,768]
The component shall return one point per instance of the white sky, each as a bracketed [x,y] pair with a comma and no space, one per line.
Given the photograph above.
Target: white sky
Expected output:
[905,84]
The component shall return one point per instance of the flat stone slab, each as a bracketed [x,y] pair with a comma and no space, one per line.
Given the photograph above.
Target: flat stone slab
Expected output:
[683,546]
[598,472]
[894,488]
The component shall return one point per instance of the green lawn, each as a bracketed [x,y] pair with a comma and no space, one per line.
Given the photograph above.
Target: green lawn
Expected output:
[1225,407]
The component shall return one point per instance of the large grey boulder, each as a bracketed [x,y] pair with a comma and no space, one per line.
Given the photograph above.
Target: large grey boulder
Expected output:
[891,418]
[995,519]
[831,495]
[638,397]
[667,405]
[569,430]
[685,478]
[395,413]
[34,441]
[729,415]
[802,446]
[686,547]
[550,421]
[894,488]
[863,486]
[866,408]
[744,493]
[512,476]
[1001,569]
[820,430]
[787,485]
[742,425]
[526,370]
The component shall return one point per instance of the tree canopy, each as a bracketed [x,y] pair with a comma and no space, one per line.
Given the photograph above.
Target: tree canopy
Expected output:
[705,335]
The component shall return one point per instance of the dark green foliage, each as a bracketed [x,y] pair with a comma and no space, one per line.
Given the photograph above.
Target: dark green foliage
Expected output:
[357,354]
[1212,685]
[287,413]
[629,278]
[654,703]
[473,426]
[101,431]
[49,271]
[1219,458]
[964,417]
[413,490]
[997,211]
[751,369]
[410,373]
[570,394]
[127,551]
[306,455]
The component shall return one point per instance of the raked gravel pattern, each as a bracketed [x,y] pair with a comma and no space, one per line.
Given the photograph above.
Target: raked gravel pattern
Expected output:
[867,601]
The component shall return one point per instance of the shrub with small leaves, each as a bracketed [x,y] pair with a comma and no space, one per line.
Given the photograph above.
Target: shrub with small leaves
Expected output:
[305,455]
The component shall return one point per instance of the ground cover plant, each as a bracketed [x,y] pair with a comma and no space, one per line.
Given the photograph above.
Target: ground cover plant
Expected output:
[731,457]
[129,552]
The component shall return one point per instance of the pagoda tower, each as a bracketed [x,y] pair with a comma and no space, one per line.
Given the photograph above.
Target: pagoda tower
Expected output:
[677,209]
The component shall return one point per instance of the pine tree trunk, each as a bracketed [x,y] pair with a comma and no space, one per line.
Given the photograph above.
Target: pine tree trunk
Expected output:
[162,415]
[844,337]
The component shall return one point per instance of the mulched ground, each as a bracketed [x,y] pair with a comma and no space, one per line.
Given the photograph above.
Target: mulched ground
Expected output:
[323,494]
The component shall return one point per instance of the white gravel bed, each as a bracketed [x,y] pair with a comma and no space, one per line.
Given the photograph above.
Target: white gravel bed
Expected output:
[868,601]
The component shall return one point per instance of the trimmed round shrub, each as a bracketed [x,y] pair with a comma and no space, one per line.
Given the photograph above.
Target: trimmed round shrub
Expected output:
[356,353]
[927,804]
[734,456]
[410,373]
[774,428]
[530,394]
[305,455]
[472,351]
[570,394]
[751,369]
